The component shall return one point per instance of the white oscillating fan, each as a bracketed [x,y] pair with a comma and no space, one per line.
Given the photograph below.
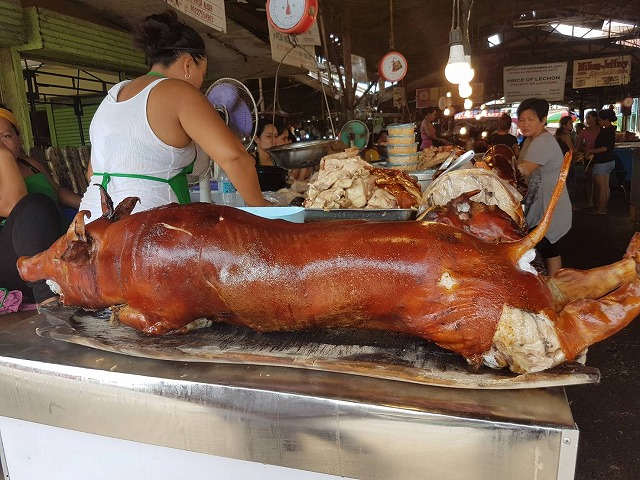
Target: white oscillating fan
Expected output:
[235,104]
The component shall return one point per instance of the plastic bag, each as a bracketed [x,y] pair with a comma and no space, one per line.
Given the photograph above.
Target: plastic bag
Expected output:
[10,300]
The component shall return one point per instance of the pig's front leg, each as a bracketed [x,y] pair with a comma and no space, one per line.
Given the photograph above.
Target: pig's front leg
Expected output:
[147,322]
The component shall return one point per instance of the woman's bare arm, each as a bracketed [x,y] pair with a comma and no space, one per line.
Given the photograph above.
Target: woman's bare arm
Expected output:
[12,186]
[527,167]
[184,108]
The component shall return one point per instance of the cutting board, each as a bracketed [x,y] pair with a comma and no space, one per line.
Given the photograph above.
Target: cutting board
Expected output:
[371,353]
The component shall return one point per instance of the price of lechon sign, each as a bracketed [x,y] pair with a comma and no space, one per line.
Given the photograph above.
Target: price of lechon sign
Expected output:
[209,12]
[544,80]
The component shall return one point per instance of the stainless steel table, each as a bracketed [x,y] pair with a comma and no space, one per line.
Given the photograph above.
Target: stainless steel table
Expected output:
[68,411]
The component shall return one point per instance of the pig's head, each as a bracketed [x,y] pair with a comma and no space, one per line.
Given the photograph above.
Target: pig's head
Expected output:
[67,258]
[72,260]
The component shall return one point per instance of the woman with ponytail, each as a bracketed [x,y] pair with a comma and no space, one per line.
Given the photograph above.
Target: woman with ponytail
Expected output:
[143,134]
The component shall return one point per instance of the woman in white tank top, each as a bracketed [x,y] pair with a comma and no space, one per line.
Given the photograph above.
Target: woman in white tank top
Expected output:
[143,133]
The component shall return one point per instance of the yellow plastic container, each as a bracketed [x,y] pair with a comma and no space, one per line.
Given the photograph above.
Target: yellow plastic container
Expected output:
[400,139]
[403,161]
[397,149]
[396,129]
[407,167]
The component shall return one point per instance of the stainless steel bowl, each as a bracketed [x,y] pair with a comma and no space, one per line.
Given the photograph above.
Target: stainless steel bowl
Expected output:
[304,154]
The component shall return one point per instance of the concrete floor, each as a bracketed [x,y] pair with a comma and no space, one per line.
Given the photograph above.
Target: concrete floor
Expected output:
[607,414]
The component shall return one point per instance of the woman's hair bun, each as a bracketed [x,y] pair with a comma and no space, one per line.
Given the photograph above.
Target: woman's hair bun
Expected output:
[157,32]
[162,36]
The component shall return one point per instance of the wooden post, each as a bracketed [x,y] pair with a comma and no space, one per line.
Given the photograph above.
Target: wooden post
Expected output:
[14,94]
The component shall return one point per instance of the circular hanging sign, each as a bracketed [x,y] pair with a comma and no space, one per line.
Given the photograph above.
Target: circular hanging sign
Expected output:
[442,103]
[292,16]
[627,102]
[392,67]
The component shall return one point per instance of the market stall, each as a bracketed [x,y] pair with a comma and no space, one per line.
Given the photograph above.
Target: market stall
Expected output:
[69,411]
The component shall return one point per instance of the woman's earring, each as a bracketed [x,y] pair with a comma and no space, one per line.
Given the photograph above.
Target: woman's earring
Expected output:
[187,76]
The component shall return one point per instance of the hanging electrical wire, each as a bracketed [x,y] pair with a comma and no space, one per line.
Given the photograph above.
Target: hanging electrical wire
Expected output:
[392,41]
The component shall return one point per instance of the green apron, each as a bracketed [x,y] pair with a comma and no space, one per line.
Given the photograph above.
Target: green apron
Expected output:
[178,183]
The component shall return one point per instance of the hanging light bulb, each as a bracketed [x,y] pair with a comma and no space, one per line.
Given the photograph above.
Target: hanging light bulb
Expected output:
[463,131]
[448,94]
[468,103]
[457,66]
[446,112]
[458,69]
[470,73]
[465,90]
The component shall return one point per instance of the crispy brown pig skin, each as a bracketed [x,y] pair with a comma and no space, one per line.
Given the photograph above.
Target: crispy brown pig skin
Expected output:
[174,264]
[163,268]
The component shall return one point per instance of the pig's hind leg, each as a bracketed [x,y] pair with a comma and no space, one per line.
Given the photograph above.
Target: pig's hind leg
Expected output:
[585,322]
[568,285]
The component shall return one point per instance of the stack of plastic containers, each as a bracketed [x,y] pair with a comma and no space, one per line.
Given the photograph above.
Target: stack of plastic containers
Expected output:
[402,147]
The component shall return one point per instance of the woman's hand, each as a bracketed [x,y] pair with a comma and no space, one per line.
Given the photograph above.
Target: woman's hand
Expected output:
[12,186]
[301,173]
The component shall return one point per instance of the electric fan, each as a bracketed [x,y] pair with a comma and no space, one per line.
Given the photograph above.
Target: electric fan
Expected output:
[235,104]
[355,134]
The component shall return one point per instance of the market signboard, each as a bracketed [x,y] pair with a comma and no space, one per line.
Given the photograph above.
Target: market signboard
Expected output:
[545,80]
[282,50]
[359,69]
[602,72]
[423,97]
[209,12]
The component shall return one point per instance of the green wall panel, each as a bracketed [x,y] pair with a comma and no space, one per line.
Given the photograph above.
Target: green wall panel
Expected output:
[11,24]
[57,37]
[65,131]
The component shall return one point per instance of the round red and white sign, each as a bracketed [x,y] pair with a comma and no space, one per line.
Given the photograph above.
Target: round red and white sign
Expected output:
[392,67]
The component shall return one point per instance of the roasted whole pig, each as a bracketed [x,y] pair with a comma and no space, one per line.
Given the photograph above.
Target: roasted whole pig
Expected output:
[161,269]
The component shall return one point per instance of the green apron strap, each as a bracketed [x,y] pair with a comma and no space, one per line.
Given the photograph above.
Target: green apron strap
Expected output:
[180,186]
[178,183]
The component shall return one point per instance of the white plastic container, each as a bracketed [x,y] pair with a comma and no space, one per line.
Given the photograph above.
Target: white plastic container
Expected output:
[290,214]
[424,178]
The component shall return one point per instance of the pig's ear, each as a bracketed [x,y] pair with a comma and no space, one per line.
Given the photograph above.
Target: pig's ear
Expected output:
[124,208]
[78,245]
[105,202]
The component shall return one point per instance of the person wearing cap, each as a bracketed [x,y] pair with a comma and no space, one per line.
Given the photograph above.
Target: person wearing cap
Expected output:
[604,160]
[144,132]
[39,179]
[30,218]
